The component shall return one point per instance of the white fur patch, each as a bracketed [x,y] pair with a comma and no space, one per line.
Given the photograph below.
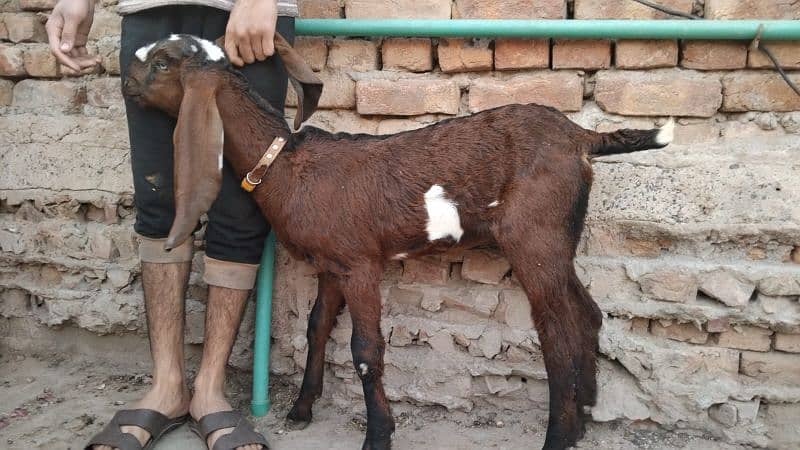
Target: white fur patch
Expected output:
[144,51]
[493,204]
[667,133]
[400,256]
[174,37]
[194,48]
[443,220]
[213,51]
[363,368]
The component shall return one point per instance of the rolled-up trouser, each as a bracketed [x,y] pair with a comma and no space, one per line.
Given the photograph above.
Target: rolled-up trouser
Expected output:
[236,229]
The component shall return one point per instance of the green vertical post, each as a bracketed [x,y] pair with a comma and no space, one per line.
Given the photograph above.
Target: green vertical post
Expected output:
[266,276]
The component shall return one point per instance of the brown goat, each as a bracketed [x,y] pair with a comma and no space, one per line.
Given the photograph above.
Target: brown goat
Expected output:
[516,177]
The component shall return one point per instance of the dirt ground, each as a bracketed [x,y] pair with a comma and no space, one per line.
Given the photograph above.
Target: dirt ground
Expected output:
[58,401]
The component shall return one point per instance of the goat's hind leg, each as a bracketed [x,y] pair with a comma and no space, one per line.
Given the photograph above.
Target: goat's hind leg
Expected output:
[590,322]
[320,323]
[544,271]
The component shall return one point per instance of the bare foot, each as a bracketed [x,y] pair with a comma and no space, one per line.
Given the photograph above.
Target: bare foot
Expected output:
[204,404]
[172,402]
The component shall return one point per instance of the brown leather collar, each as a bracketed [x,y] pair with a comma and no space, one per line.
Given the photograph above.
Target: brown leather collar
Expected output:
[254,177]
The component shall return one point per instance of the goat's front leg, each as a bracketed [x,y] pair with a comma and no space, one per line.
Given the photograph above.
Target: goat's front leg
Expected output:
[320,323]
[363,299]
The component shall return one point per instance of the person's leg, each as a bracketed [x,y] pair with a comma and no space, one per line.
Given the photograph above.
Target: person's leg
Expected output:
[164,274]
[234,241]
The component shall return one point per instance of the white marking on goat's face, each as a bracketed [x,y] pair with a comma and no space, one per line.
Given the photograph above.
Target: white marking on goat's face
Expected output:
[443,220]
[212,50]
[400,256]
[493,204]
[363,368]
[667,133]
[142,53]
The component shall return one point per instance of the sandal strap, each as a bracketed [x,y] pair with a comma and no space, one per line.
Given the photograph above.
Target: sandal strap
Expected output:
[243,434]
[218,421]
[151,421]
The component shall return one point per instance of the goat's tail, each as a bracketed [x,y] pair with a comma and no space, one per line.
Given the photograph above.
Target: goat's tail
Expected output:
[628,141]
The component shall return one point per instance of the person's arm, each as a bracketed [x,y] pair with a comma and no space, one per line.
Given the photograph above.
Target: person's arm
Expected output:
[250,32]
[68,30]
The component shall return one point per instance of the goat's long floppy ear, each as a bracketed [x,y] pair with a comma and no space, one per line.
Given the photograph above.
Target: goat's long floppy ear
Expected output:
[198,142]
[305,82]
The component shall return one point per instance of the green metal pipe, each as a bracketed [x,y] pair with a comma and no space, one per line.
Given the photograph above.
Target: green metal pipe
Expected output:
[573,29]
[259,405]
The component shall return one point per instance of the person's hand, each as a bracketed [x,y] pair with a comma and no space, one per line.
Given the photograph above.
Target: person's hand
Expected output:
[250,32]
[68,30]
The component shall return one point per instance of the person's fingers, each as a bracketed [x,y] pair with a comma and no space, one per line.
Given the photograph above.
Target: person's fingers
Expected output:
[258,53]
[232,50]
[68,33]
[246,49]
[268,43]
[54,26]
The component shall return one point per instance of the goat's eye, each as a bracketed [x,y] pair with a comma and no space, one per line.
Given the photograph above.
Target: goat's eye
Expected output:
[160,65]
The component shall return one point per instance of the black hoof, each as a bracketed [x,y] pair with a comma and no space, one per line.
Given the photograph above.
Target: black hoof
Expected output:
[297,420]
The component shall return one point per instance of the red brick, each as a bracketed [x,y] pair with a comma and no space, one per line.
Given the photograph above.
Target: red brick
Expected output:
[685,332]
[319,9]
[484,267]
[759,91]
[425,270]
[407,97]
[314,51]
[510,9]
[787,342]
[25,27]
[414,55]
[512,54]
[353,54]
[787,54]
[713,55]
[662,92]
[626,9]
[464,55]
[104,92]
[562,90]
[37,5]
[773,367]
[752,9]
[397,9]
[581,54]
[40,61]
[35,94]
[12,63]
[646,54]
[6,92]
[106,23]
[746,338]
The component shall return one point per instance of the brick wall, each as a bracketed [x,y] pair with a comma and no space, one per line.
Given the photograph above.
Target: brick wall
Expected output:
[692,252]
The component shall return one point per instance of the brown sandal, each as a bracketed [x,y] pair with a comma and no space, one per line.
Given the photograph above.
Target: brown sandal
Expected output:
[153,422]
[243,432]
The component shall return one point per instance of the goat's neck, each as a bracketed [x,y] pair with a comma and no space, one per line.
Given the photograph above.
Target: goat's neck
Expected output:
[249,129]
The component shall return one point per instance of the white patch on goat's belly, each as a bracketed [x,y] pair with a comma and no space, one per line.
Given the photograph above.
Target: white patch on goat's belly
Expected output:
[212,50]
[400,256]
[443,220]
[142,53]
[493,204]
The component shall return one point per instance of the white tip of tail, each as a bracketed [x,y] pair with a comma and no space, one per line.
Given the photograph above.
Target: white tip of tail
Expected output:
[667,133]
